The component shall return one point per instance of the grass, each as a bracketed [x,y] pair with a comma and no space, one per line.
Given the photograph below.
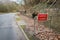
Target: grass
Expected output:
[31,37]
[23,26]
[18,19]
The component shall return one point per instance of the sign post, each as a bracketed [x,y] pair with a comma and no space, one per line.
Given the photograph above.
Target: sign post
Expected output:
[42,17]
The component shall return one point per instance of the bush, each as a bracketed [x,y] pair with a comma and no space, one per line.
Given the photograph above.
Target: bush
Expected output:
[12,7]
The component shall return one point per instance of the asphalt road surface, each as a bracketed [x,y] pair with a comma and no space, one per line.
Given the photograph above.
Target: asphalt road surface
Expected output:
[8,28]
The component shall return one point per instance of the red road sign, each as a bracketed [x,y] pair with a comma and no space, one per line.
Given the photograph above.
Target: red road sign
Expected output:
[42,17]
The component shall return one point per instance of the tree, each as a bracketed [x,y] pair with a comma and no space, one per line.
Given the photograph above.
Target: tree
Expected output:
[11,7]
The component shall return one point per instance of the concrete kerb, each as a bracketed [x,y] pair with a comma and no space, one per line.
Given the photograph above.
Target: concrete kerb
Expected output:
[22,30]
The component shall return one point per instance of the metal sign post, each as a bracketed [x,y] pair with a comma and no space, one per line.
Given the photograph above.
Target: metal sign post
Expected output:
[34,26]
[42,17]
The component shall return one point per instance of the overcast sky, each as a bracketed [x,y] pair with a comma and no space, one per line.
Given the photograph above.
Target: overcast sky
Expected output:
[18,1]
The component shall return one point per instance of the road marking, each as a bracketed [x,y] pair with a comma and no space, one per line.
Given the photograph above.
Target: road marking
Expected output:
[22,31]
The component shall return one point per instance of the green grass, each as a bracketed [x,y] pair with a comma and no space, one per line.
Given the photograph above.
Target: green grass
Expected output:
[18,19]
[23,26]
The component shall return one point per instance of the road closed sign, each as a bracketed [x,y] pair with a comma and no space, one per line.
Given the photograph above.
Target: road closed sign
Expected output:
[42,17]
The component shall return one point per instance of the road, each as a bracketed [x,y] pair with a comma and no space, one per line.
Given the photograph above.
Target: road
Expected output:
[9,29]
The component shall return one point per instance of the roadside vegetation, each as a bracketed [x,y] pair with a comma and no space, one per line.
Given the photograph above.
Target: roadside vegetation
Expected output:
[53,11]
[10,7]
